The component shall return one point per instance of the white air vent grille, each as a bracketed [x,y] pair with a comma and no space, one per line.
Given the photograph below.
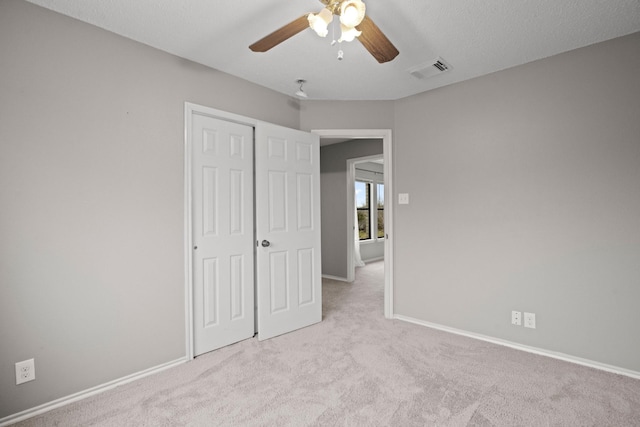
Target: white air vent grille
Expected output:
[441,65]
[429,69]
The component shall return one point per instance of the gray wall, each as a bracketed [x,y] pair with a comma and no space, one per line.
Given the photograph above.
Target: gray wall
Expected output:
[346,115]
[333,184]
[525,195]
[91,196]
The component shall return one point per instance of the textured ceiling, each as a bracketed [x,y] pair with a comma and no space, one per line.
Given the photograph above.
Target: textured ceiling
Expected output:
[474,37]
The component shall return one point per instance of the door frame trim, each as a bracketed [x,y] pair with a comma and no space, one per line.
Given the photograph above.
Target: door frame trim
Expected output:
[189,110]
[385,135]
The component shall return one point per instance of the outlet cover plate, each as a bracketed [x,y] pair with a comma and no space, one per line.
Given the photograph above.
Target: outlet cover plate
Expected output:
[516,318]
[530,320]
[25,371]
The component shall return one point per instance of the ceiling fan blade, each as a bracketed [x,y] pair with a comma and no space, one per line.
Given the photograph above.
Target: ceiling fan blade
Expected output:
[374,40]
[281,34]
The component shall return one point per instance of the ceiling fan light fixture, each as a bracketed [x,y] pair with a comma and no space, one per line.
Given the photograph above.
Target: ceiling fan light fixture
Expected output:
[351,12]
[348,33]
[320,21]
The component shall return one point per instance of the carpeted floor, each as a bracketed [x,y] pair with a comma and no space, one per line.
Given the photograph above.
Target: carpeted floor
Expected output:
[358,369]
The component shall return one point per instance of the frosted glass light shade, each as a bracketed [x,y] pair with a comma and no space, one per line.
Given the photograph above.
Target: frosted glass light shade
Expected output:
[320,21]
[348,34]
[351,12]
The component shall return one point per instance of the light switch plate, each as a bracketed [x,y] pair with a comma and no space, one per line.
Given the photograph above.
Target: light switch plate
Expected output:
[403,198]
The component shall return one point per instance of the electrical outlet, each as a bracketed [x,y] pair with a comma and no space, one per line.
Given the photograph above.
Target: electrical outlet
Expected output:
[25,371]
[530,320]
[516,318]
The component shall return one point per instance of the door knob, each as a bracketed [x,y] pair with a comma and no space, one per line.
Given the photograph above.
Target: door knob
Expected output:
[265,243]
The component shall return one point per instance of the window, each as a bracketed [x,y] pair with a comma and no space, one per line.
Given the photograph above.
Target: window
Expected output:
[380,204]
[363,202]
[370,209]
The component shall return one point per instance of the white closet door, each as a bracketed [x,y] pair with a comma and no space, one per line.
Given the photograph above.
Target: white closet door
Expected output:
[289,286]
[223,233]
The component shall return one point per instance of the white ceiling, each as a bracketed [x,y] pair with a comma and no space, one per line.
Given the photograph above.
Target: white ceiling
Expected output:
[475,37]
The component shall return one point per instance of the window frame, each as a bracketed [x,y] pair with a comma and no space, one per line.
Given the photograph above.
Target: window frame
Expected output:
[378,210]
[373,209]
[367,208]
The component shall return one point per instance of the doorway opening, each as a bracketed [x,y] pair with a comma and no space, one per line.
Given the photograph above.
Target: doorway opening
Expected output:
[365,183]
[385,136]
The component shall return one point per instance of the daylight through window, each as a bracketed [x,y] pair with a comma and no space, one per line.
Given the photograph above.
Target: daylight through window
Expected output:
[363,202]
[370,209]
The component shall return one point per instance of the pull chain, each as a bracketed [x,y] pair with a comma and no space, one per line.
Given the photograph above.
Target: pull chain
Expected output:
[333,42]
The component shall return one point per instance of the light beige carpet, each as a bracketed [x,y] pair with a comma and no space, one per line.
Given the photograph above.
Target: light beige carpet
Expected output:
[358,369]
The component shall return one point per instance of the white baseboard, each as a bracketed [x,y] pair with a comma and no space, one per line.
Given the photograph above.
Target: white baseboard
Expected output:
[339,279]
[367,261]
[46,407]
[528,349]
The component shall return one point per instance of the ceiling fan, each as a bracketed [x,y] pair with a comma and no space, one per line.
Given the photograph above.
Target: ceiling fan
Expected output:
[353,23]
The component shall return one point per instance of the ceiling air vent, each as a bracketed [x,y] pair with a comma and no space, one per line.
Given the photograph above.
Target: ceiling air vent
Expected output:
[429,69]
